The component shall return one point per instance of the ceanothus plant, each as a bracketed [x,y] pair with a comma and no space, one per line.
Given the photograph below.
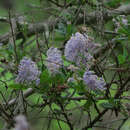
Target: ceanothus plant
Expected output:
[76,51]
[63,73]
[55,69]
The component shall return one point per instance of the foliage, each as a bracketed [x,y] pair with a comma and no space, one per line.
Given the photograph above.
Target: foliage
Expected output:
[65,64]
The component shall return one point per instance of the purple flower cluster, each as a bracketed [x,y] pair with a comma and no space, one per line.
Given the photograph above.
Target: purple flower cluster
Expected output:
[54,60]
[21,123]
[28,72]
[76,49]
[93,81]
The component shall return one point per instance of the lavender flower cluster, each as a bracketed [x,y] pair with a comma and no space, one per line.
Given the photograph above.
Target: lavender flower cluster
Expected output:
[54,60]
[76,49]
[28,72]
[93,81]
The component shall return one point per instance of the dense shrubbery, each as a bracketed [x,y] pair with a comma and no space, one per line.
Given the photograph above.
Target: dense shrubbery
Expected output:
[76,64]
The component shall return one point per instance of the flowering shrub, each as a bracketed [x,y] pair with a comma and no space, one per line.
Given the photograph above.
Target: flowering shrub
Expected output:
[75,72]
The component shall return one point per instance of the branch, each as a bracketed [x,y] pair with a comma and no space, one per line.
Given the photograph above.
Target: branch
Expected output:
[90,18]
[101,51]
[4,20]
[25,95]
[31,30]
[124,9]
[95,120]
[108,14]
[66,116]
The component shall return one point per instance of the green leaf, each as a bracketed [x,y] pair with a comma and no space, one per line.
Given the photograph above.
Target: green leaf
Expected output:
[113,3]
[106,105]
[58,79]
[17,86]
[122,30]
[121,59]
[66,63]
[69,29]
[88,104]
[45,78]
[80,87]
[125,53]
